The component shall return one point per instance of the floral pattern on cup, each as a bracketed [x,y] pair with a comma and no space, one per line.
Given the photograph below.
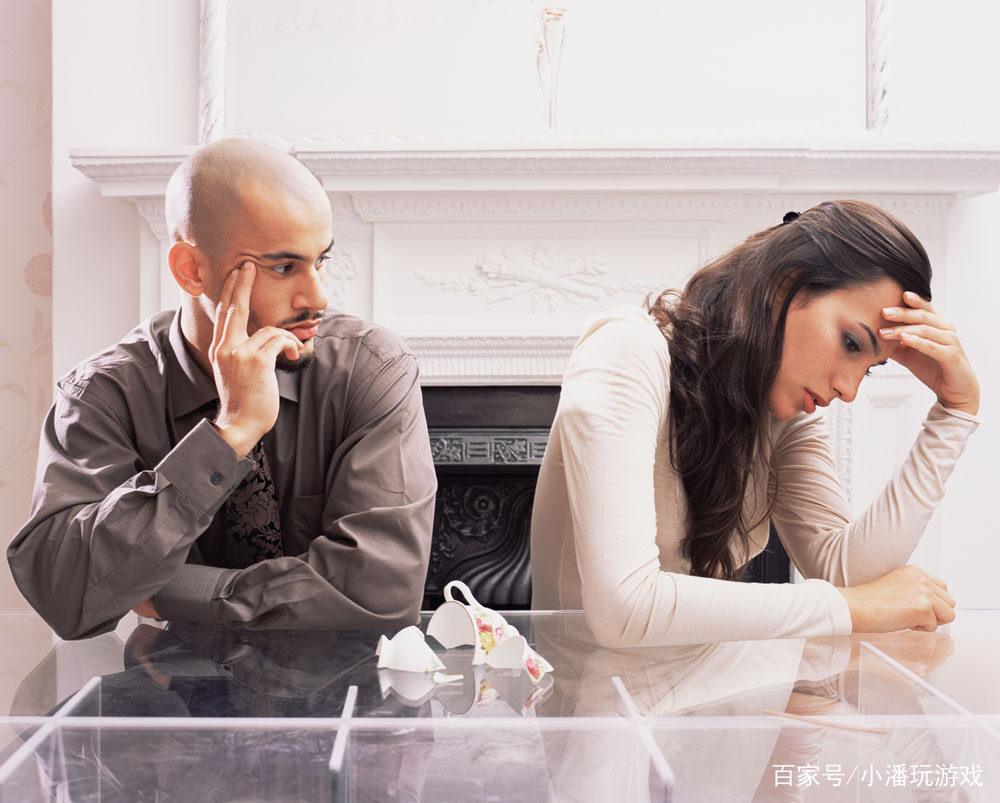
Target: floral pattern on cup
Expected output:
[491,628]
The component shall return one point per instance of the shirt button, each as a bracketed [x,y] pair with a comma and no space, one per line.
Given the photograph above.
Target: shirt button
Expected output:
[216,478]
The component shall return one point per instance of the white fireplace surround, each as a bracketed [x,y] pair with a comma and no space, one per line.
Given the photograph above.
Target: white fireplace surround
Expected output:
[503,317]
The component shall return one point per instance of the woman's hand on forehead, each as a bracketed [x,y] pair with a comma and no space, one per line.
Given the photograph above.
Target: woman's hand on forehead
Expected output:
[929,347]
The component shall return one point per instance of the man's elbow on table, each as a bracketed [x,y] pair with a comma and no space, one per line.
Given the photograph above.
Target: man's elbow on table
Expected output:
[66,616]
[60,602]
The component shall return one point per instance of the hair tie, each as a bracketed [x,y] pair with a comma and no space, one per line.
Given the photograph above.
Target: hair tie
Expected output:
[789,217]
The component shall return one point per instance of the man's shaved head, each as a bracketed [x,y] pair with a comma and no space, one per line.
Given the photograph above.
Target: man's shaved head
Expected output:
[208,192]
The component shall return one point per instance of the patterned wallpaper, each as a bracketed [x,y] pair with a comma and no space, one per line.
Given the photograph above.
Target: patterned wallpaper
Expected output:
[26,276]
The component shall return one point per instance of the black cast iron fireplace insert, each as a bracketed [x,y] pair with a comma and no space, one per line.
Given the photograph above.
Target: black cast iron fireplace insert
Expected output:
[488,443]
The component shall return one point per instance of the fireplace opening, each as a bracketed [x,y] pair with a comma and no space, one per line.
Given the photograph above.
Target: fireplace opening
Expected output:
[488,444]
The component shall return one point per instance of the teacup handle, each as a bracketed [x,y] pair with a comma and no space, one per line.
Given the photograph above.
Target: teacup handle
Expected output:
[460,586]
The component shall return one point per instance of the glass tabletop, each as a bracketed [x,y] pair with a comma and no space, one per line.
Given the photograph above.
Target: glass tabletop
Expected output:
[962,662]
[213,713]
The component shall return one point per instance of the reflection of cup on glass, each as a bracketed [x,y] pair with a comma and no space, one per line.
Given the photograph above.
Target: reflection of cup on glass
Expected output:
[552,35]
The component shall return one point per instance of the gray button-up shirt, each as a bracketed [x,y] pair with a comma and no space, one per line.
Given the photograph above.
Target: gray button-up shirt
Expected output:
[131,475]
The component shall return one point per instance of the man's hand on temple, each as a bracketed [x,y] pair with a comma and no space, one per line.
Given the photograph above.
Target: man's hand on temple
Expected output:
[244,365]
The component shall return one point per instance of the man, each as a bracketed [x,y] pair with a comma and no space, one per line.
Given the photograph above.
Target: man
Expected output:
[242,460]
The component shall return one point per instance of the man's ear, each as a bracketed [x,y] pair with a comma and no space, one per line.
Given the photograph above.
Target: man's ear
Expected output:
[189,268]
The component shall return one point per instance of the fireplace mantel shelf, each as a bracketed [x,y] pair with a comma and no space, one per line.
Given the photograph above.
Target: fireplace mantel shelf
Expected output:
[869,167]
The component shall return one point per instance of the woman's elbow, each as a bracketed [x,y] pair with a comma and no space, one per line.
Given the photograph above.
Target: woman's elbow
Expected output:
[609,625]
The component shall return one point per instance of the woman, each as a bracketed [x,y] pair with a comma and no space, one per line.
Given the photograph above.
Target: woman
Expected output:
[683,430]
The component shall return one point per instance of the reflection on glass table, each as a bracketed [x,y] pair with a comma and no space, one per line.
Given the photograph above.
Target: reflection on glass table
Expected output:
[204,671]
[962,663]
[205,713]
[447,760]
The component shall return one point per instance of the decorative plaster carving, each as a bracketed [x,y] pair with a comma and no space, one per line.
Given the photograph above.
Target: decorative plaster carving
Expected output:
[877,110]
[153,212]
[483,360]
[100,165]
[382,207]
[477,345]
[903,206]
[344,213]
[548,60]
[540,279]
[340,271]
[212,71]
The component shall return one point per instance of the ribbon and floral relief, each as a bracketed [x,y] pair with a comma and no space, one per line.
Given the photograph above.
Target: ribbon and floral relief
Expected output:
[496,643]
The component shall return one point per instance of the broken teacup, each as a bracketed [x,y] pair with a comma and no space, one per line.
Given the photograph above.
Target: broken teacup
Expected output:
[495,641]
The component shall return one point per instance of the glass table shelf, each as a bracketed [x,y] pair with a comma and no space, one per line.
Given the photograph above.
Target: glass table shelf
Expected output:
[204,713]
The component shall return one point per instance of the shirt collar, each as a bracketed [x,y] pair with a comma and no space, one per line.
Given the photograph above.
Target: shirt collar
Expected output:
[190,389]
[288,385]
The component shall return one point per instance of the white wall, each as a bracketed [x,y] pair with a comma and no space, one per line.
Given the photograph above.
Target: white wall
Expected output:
[943,63]
[123,74]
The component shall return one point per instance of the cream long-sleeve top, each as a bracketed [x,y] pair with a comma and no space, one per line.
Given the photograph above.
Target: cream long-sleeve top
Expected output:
[610,512]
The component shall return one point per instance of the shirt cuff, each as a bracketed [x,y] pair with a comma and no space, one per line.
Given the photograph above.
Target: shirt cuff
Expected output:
[951,411]
[204,468]
[840,613]
[188,597]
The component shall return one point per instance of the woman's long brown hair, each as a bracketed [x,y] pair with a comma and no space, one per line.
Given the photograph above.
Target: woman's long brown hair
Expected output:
[725,333]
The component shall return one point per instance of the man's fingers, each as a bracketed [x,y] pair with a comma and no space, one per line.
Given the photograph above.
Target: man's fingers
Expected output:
[221,310]
[268,344]
[265,334]
[237,313]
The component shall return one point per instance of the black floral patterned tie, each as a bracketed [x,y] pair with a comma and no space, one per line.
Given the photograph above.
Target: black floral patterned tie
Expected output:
[253,526]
